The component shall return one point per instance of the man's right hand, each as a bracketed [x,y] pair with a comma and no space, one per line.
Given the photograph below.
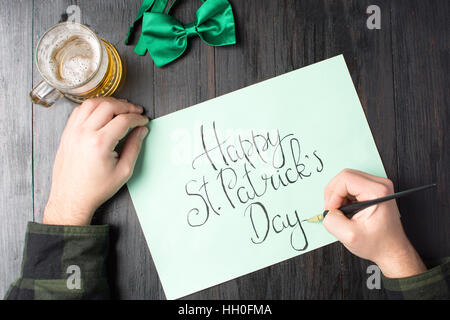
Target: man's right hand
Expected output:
[375,233]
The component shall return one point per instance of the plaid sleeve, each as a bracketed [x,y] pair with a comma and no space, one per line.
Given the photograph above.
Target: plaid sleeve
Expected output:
[62,262]
[432,284]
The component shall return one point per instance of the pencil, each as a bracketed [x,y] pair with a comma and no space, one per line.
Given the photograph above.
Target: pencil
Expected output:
[353,208]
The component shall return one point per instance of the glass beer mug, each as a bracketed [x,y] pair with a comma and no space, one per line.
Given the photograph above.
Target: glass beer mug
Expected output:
[75,64]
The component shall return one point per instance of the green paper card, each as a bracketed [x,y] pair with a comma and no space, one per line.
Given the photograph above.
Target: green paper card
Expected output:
[221,188]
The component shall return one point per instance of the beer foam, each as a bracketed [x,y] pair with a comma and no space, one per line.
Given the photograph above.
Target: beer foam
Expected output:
[68,55]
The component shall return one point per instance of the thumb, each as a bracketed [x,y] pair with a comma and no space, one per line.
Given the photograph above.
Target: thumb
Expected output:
[130,151]
[339,226]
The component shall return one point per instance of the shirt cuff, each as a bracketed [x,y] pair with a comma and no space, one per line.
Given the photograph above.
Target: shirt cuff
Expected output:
[56,257]
[431,284]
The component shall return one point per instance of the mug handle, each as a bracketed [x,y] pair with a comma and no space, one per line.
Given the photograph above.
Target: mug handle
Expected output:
[44,94]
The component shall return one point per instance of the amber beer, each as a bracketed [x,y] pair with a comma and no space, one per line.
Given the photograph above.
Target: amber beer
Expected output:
[75,64]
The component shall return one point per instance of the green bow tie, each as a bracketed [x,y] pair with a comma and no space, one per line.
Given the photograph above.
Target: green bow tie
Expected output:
[165,38]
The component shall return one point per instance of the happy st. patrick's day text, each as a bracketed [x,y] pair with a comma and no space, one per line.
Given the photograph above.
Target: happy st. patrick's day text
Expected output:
[234,163]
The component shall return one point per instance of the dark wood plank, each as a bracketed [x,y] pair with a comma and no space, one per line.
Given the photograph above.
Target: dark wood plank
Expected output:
[16,185]
[48,124]
[421,50]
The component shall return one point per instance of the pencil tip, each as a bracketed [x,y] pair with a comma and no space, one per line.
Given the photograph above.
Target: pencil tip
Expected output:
[314,219]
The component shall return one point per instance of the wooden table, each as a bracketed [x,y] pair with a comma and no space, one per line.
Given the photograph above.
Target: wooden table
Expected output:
[400,73]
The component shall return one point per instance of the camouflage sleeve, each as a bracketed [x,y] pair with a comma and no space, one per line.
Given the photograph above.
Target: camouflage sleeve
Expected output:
[62,262]
[432,284]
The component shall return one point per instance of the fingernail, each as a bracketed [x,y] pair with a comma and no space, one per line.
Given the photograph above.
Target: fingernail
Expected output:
[143,132]
[140,108]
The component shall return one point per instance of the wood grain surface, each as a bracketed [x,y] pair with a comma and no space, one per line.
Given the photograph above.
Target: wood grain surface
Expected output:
[400,73]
